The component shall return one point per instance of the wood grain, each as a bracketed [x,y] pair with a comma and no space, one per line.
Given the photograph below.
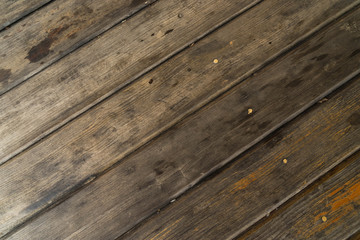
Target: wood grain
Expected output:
[356,236]
[100,68]
[54,31]
[260,181]
[11,10]
[175,161]
[330,211]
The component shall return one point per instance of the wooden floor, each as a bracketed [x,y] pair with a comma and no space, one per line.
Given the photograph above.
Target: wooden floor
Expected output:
[168,119]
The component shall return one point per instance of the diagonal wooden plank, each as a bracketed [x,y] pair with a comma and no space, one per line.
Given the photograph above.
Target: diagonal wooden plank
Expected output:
[356,236]
[329,211]
[54,31]
[86,77]
[261,180]
[11,11]
[175,161]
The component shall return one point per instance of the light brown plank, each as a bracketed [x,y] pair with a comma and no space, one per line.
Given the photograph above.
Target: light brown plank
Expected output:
[178,159]
[13,10]
[329,211]
[87,76]
[260,181]
[55,30]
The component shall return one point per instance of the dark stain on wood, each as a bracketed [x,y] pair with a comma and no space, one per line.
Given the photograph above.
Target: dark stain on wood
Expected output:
[82,159]
[4,75]
[48,196]
[294,83]
[207,48]
[162,166]
[100,132]
[354,119]
[135,3]
[307,69]
[320,57]
[130,170]
[42,49]
[354,53]
[146,184]
[313,49]
[168,31]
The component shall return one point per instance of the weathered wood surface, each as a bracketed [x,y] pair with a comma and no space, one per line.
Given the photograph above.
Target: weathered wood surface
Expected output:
[260,181]
[55,30]
[148,179]
[356,236]
[13,10]
[331,210]
[87,76]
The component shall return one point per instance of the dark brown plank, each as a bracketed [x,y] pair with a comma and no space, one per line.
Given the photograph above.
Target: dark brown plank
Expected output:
[11,10]
[54,31]
[329,211]
[186,153]
[100,68]
[260,181]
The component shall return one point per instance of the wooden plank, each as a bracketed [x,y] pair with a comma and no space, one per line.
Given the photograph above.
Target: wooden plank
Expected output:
[11,11]
[100,68]
[54,31]
[356,236]
[260,181]
[330,210]
[175,161]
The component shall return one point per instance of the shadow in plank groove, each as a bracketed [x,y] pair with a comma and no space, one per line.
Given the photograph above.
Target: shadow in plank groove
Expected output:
[13,12]
[356,236]
[29,48]
[96,71]
[281,210]
[258,181]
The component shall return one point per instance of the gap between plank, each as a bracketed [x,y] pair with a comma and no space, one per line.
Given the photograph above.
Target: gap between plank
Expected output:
[126,83]
[292,197]
[196,109]
[291,201]
[77,46]
[233,158]
[355,236]
[24,15]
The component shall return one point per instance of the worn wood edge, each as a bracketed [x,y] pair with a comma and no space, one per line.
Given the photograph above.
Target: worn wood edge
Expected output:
[75,47]
[320,98]
[355,236]
[337,169]
[341,161]
[24,14]
[134,78]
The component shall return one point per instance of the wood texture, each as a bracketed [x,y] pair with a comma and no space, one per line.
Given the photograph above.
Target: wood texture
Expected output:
[330,211]
[260,181]
[85,77]
[356,236]
[149,179]
[54,31]
[11,10]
